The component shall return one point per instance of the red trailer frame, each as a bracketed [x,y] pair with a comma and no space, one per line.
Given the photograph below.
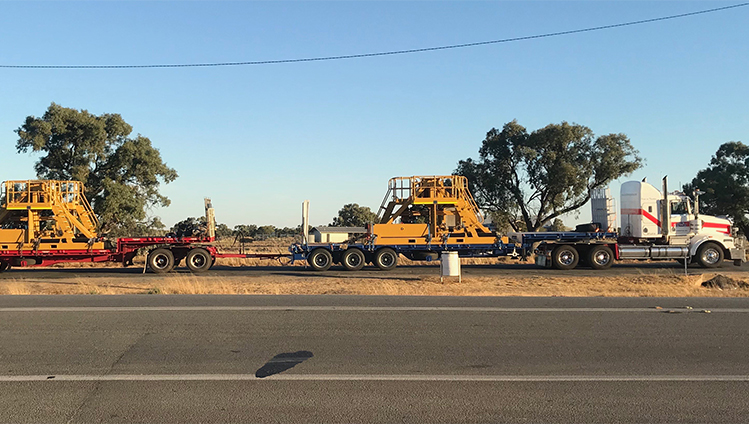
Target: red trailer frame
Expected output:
[167,252]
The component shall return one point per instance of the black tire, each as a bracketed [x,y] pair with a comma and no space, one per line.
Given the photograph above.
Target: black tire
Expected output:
[600,257]
[386,259]
[710,255]
[565,257]
[4,266]
[199,260]
[161,260]
[320,259]
[353,259]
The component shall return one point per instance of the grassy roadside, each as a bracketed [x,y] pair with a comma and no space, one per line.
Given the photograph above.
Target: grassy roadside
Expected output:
[621,286]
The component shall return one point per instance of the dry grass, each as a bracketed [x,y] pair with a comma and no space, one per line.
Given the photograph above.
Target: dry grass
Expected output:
[568,285]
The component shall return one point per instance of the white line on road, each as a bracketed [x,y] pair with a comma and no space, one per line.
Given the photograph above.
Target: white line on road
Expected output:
[350,309]
[380,377]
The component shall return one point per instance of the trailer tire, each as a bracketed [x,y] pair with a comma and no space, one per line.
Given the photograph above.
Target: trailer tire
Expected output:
[386,259]
[565,257]
[199,260]
[710,255]
[4,266]
[600,257]
[320,259]
[353,259]
[161,260]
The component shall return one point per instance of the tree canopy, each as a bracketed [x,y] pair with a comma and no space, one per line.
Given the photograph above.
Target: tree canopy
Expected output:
[527,179]
[353,215]
[725,183]
[122,174]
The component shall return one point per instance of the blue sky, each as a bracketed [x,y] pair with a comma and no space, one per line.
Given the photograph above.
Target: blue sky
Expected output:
[261,139]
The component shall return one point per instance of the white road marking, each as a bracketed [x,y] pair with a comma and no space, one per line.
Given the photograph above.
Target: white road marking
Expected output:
[381,377]
[353,309]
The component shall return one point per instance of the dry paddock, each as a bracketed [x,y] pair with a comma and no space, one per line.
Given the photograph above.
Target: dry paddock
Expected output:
[645,283]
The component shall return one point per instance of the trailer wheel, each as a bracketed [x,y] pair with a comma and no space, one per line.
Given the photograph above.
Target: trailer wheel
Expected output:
[600,257]
[710,255]
[161,260]
[565,257]
[386,259]
[320,259]
[199,260]
[4,266]
[353,259]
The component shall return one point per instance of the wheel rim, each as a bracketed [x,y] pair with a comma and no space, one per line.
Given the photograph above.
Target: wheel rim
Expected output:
[353,260]
[602,257]
[320,260]
[387,259]
[198,261]
[160,261]
[566,257]
[711,255]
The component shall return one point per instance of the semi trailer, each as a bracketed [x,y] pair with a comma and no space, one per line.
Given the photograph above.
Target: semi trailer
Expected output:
[422,217]
[45,222]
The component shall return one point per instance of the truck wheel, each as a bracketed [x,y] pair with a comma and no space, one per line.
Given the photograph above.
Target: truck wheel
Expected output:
[600,257]
[710,255]
[161,260]
[199,260]
[353,259]
[386,259]
[565,257]
[320,259]
[4,266]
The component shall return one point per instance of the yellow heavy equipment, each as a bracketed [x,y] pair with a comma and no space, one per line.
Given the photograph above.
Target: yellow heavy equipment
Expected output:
[433,209]
[47,215]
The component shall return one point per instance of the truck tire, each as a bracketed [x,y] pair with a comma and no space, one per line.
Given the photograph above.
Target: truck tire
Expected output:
[710,255]
[199,260]
[320,259]
[386,259]
[4,266]
[600,257]
[161,260]
[353,259]
[565,257]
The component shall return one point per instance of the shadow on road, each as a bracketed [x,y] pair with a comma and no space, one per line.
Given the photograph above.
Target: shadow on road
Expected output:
[282,362]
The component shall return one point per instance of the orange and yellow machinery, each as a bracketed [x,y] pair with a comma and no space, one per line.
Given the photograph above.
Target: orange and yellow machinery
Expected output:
[420,218]
[432,209]
[47,215]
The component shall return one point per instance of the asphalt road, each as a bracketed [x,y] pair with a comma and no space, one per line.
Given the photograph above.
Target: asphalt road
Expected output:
[372,359]
[510,269]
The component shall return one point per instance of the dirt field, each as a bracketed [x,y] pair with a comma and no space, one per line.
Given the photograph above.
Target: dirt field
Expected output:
[185,283]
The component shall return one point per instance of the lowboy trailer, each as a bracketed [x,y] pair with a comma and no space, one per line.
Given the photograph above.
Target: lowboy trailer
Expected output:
[46,222]
[422,217]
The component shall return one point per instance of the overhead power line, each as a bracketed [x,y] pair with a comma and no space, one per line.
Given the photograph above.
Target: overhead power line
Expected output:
[387,53]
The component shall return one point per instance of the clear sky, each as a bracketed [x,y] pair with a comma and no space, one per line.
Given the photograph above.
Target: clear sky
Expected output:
[261,139]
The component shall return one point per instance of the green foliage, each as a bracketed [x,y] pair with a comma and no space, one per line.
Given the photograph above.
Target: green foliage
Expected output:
[536,177]
[223,231]
[726,184]
[122,174]
[252,231]
[189,227]
[353,215]
[556,226]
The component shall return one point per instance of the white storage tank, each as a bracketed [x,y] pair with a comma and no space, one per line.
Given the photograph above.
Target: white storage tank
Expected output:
[450,265]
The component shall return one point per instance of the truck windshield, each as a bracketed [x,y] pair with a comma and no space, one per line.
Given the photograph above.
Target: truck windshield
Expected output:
[679,207]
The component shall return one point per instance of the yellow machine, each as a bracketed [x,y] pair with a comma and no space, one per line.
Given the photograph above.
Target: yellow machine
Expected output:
[47,215]
[430,210]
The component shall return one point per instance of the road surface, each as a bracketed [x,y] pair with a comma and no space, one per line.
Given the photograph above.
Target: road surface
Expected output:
[372,359]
